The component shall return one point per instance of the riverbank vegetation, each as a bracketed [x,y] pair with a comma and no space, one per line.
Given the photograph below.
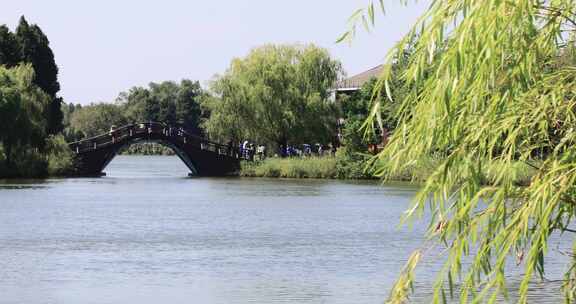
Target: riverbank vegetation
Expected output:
[30,110]
[353,165]
[343,165]
[496,88]
[277,95]
[313,167]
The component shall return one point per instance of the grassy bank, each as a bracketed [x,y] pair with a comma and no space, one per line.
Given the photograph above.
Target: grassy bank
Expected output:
[314,167]
[353,166]
[344,165]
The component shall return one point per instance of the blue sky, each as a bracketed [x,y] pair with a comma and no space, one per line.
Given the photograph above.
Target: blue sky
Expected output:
[105,47]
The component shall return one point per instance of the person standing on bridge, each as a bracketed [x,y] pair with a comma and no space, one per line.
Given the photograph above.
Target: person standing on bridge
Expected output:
[112,133]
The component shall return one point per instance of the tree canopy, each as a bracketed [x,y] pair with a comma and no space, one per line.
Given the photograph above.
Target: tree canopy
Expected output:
[355,108]
[22,105]
[96,119]
[490,82]
[30,110]
[168,101]
[35,49]
[278,94]
[30,45]
[9,48]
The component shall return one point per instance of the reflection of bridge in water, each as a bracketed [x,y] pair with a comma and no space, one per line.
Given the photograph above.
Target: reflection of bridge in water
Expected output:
[201,156]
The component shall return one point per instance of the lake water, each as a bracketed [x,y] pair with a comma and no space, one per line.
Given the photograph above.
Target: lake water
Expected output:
[148,234]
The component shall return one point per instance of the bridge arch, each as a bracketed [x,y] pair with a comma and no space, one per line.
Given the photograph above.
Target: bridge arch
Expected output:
[201,156]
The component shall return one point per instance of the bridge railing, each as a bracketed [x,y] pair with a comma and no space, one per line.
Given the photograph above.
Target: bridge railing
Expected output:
[176,132]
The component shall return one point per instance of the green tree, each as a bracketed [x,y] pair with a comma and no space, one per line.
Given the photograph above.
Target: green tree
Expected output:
[356,109]
[134,103]
[70,134]
[167,102]
[278,94]
[22,105]
[223,122]
[9,48]
[151,108]
[35,49]
[97,119]
[188,110]
[163,95]
[494,86]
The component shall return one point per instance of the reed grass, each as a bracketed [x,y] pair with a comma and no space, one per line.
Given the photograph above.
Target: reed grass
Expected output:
[313,167]
[354,167]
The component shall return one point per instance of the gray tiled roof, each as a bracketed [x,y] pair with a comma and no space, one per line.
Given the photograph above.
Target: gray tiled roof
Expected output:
[358,80]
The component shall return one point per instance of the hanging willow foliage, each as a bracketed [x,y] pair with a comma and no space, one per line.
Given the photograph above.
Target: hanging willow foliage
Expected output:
[491,82]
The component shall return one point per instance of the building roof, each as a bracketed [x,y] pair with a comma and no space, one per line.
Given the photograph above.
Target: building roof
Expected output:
[356,81]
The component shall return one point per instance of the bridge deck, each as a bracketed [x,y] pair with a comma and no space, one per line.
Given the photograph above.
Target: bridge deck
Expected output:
[149,128]
[202,156]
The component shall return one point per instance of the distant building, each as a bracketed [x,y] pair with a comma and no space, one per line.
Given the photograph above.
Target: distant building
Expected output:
[354,83]
[350,85]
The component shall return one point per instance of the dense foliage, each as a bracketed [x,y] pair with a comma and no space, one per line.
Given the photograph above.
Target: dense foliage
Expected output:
[30,110]
[30,45]
[355,108]
[25,147]
[489,82]
[313,167]
[22,105]
[95,119]
[168,102]
[277,95]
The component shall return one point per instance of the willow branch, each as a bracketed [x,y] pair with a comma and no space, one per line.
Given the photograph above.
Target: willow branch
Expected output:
[560,13]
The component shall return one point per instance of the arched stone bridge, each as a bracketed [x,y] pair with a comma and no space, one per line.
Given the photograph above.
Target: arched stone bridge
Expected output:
[202,157]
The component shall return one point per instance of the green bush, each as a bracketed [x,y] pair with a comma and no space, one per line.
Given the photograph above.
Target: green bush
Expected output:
[30,163]
[352,165]
[59,156]
[56,159]
[291,168]
[147,148]
[313,167]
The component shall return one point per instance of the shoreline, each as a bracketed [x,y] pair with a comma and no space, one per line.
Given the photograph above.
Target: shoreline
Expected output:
[311,168]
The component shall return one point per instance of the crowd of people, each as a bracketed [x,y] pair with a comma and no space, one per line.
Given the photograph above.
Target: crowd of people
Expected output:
[247,150]
[251,151]
[307,150]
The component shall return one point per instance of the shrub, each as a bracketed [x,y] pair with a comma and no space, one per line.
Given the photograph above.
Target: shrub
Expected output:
[352,165]
[59,156]
[313,167]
